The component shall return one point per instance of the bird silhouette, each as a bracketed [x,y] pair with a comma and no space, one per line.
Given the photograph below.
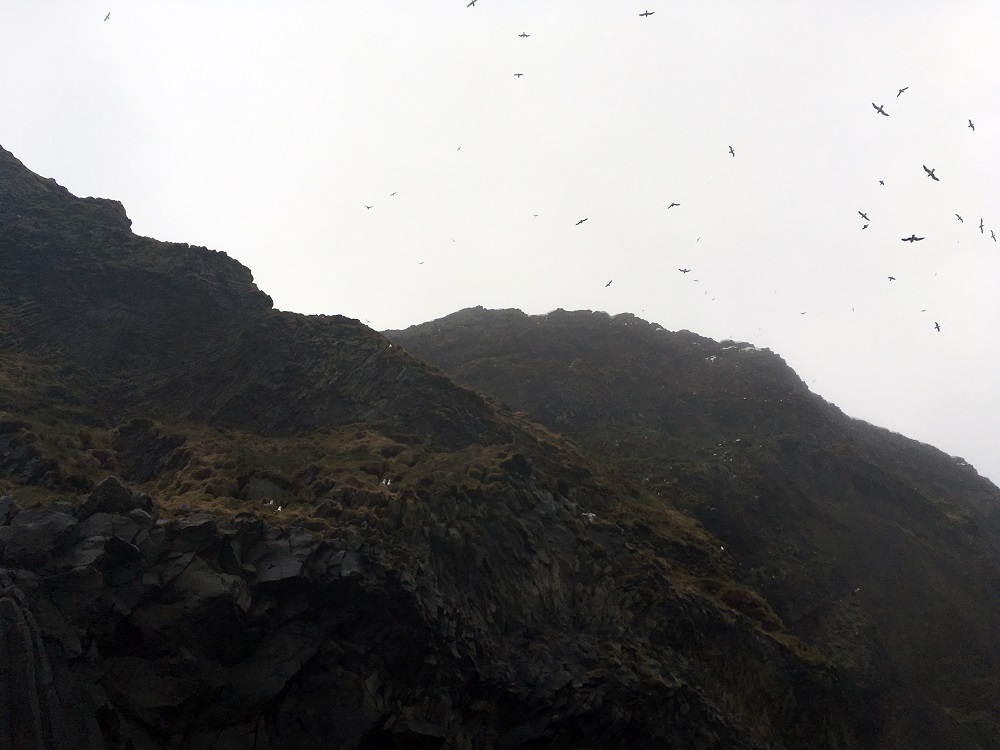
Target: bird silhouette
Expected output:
[471,3]
[109,16]
[369,207]
[881,182]
[960,218]
[901,91]
[912,238]
[672,205]
[892,278]
[684,270]
[581,221]
[524,35]
[970,121]
[993,235]
[981,226]
[864,215]
[937,327]
[518,75]
[608,284]
[865,226]
[731,152]
[879,109]
[648,13]
[930,173]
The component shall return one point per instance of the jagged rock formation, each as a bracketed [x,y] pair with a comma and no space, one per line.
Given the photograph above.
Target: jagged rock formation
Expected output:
[880,552]
[310,538]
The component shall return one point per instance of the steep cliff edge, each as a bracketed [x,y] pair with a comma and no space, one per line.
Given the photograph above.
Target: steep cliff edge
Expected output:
[310,538]
[876,550]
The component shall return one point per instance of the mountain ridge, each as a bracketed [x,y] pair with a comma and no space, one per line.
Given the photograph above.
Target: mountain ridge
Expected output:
[310,537]
[815,506]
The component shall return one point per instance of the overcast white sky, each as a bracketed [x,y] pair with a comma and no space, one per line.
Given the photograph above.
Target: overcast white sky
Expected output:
[265,129]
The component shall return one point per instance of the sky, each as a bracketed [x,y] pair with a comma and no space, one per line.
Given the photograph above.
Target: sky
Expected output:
[266,130]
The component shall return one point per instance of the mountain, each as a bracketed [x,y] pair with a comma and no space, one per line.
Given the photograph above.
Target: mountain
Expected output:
[225,526]
[879,552]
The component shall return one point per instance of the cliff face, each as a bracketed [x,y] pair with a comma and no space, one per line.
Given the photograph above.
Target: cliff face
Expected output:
[879,552]
[223,526]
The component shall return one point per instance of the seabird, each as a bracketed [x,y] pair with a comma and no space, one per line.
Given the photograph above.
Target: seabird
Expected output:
[518,75]
[902,90]
[930,173]
[937,327]
[912,238]
[960,218]
[865,226]
[864,215]
[878,108]
[608,284]
[892,278]
[672,205]
[993,235]
[581,221]
[524,35]
[684,270]
[369,207]
[981,226]
[648,13]
[732,153]
[970,121]
[881,182]
[471,3]
[109,16]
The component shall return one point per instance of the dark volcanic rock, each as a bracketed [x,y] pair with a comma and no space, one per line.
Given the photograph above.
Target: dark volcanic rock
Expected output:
[848,530]
[113,496]
[431,569]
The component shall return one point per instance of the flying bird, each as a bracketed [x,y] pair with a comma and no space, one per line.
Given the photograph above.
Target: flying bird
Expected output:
[937,327]
[648,13]
[581,221]
[109,16]
[369,207]
[524,35]
[970,121]
[930,173]
[608,284]
[731,152]
[518,75]
[878,108]
[902,90]
[864,215]
[684,270]
[960,218]
[391,194]
[672,205]
[892,278]
[912,238]
[981,226]
[993,235]
[881,182]
[865,226]
[471,3]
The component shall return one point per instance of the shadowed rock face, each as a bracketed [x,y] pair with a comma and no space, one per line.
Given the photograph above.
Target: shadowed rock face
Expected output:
[312,539]
[880,552]
[127,630]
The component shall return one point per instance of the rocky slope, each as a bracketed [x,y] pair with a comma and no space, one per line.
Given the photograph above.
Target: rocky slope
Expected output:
[224,526]
[879,552]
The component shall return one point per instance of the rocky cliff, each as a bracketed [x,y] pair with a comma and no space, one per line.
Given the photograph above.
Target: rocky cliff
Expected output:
[225,526]
[878,551]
